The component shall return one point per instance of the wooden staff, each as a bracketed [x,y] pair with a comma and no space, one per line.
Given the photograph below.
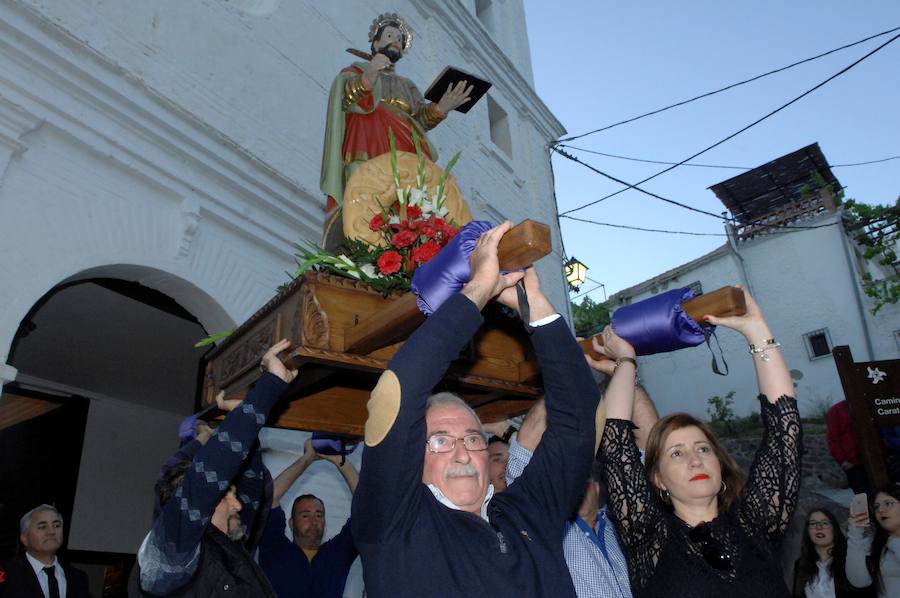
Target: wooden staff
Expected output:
[520,247]
[727,301]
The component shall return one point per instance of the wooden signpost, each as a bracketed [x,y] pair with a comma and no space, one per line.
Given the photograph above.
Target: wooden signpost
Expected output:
[872,388]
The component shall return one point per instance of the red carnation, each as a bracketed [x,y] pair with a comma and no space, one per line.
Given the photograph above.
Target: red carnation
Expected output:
[403,238]
[389,262]
[428,230]
[376,223]
[413,212]
[424,252]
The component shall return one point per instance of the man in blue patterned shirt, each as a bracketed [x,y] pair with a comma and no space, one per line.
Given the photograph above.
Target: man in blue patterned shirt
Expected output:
[209,501]
[591,547]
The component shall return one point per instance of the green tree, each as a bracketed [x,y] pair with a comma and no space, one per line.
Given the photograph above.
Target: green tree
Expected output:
[590,317]
[876,228]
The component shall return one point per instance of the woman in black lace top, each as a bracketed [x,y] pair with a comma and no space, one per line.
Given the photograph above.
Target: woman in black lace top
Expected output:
[690,525]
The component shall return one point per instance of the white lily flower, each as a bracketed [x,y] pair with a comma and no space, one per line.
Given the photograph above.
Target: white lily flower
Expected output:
[416,196]
[394,219]
[347,261]
[369,270]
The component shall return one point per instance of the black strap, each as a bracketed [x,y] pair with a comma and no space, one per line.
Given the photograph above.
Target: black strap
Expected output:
[710,332]
[510,430]
[524,310]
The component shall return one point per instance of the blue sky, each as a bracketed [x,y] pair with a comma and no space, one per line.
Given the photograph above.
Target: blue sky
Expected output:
[599,62]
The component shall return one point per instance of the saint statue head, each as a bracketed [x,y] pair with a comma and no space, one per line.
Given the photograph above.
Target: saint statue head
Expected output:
[390,35]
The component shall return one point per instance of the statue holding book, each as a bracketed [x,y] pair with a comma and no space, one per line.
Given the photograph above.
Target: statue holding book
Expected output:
[369,98]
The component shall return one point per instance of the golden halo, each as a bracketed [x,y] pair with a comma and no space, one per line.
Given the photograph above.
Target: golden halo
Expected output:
[392,18]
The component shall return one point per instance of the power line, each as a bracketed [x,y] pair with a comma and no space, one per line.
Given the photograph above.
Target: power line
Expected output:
[727,87]
[864,163]
[736,133]
[629,186]
[648,230]
[775,229]
[648,161]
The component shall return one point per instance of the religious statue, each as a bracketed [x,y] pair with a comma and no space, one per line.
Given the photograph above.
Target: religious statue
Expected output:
[368,99]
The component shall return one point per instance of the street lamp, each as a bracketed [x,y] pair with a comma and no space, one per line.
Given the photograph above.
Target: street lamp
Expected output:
[576,273]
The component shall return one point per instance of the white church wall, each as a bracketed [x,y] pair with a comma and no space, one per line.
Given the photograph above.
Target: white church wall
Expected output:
[178,144]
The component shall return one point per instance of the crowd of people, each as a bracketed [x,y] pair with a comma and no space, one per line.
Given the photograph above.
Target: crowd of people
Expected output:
[588,498]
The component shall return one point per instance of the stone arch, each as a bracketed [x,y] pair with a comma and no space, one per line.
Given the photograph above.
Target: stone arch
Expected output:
[111,350]
[103,327]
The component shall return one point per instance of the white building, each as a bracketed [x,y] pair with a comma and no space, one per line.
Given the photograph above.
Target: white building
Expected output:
[806,278]
[158,160]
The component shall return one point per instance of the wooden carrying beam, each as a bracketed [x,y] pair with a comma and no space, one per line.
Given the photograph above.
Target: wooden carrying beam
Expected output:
[523,245]
[727,301]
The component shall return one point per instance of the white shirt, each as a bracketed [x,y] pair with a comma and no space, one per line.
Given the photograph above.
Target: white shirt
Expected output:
[823,584]
[449,503]
[42,577]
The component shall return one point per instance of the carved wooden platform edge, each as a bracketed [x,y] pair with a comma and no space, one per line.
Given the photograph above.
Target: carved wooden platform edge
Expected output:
[290,289]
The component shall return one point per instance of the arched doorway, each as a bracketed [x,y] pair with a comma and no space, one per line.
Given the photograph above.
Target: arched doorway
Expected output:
[110,361]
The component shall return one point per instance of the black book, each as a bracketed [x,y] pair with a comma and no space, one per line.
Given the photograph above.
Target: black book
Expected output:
[451,76]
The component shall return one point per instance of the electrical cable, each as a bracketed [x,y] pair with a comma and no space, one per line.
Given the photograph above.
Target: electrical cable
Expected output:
[632,159]
[727,87]
[629,186]
[774,229]
[736,133]
[648,230]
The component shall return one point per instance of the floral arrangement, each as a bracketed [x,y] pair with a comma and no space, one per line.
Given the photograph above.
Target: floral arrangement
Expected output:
[412,228]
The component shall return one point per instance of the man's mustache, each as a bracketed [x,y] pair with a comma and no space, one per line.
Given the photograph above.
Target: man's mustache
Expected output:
[466,470]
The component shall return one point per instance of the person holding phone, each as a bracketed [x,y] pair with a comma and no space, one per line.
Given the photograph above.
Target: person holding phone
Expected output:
[873,551]
[820,570]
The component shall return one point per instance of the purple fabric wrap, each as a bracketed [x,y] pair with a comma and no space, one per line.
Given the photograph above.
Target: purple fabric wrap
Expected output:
[331,444]
[448,271]
[658,324]
[187,430]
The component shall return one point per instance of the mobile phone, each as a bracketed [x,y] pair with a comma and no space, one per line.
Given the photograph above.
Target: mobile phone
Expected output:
[859,504]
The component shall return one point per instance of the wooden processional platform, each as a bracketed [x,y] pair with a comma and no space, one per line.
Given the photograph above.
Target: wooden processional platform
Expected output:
[343,335]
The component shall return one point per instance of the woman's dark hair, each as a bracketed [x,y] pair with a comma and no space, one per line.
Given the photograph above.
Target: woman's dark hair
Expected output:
[807,569]
[732,475]
[873,561]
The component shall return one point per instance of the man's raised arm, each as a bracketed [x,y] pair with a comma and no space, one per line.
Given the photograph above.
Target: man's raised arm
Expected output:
[555,476]
[391,475]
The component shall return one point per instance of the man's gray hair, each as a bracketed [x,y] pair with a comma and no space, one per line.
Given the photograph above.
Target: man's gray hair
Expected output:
[25,521]
[448,398]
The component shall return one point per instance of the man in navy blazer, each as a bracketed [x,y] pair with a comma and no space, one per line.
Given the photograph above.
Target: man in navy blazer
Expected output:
[38,573]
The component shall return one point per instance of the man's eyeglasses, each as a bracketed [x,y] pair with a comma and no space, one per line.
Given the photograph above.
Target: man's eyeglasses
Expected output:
[819,524]
[712,550]
[444,443]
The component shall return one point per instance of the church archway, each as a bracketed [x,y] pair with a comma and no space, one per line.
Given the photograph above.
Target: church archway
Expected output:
[112,349]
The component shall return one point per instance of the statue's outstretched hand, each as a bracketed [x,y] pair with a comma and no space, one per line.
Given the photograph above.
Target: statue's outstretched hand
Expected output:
[455,96]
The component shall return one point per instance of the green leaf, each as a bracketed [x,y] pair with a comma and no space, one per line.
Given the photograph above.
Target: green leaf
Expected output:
[439,199]
[213,338]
